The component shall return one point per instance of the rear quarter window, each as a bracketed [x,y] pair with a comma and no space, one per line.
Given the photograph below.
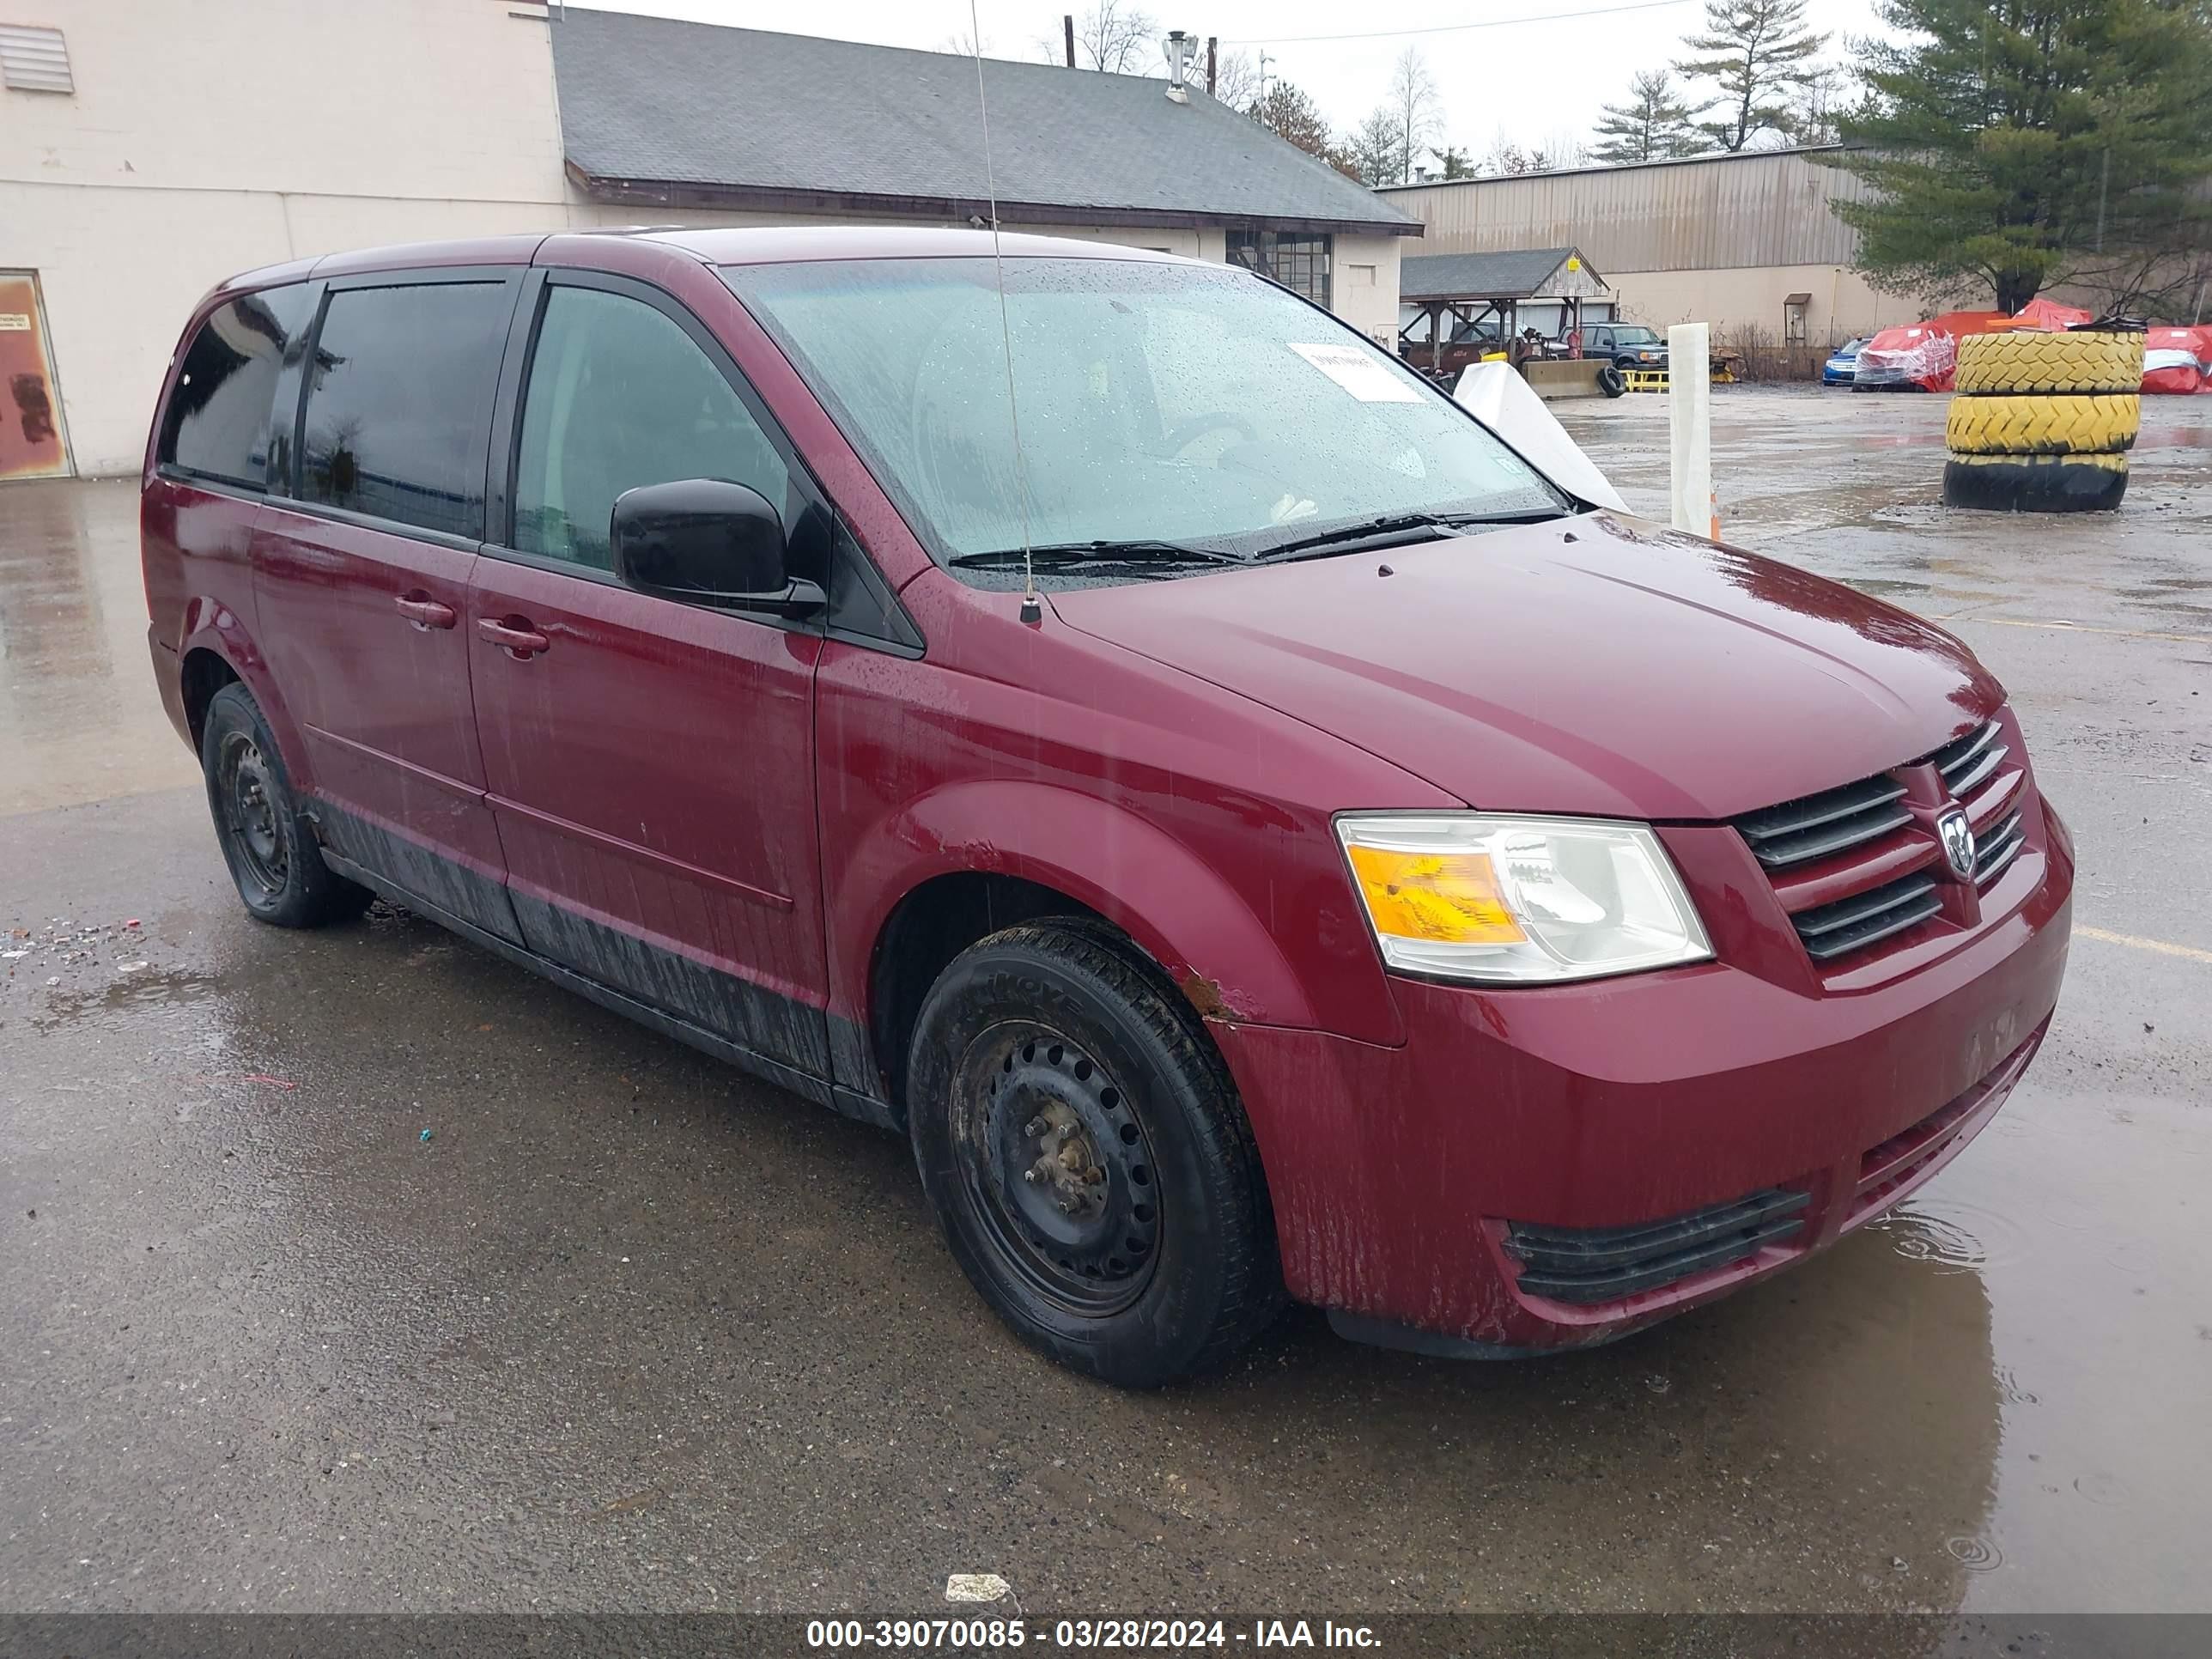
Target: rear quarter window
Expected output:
[400,402]
[217,423]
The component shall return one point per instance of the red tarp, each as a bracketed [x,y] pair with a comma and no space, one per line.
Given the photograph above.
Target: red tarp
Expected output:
[2177,360]
[2050,317]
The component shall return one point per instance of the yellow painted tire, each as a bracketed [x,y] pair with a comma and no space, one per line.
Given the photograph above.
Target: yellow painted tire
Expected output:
[2073,364]
[2043,426]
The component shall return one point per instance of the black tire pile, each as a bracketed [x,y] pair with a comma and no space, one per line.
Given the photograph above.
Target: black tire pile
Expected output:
[2042,422]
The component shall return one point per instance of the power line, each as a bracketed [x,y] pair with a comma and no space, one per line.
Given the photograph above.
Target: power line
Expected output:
[1454,28]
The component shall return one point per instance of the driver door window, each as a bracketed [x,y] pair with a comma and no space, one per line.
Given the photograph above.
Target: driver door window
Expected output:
[620,396]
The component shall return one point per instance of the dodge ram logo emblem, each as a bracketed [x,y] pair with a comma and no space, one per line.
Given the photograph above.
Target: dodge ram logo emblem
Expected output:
[1958,841]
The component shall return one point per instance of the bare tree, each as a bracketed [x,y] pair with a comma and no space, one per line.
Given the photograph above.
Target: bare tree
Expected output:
[1413,105]
[1504,157]
[1237,81]
[1815,102]
[964,44]
[1112,36]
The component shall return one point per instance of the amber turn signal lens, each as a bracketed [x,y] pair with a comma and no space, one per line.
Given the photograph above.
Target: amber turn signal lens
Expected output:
[1451,897]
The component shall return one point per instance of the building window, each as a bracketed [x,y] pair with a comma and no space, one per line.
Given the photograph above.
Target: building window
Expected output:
[34,58]
[1299,260]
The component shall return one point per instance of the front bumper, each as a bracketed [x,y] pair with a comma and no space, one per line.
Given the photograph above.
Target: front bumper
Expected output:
[1398,1174]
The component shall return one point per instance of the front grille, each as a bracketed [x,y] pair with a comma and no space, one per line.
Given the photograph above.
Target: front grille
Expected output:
[1585,1265]
[1852,867]
[1968,761]
[1997,848]
[1820,826]
[1850,924]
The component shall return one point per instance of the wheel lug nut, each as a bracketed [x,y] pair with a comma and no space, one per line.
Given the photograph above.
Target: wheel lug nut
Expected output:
[1037,1127]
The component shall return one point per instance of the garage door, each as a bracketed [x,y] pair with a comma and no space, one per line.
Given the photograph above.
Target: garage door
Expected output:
[31,442]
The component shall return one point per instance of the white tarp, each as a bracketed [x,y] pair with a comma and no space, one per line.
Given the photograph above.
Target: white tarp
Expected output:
[1496,395]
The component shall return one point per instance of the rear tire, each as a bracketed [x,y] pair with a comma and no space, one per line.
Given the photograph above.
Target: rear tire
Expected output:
[1083,1147]
[274,860]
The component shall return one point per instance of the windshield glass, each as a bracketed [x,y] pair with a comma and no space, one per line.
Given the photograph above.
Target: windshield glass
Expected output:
[1180,404]
[1634,337]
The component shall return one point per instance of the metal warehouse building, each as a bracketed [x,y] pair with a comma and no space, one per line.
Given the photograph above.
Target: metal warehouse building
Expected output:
[1746,242]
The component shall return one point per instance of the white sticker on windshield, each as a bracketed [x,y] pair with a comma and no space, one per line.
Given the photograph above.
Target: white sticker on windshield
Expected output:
[1358,373]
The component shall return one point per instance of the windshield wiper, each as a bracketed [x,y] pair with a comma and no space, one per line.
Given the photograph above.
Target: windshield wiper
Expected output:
[1344,537]
[1059,556]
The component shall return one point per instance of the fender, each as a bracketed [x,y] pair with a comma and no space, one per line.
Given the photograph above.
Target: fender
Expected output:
[211,625]
[1175,906]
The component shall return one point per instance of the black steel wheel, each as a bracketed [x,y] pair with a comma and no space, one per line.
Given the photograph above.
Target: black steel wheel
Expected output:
[1084,1151]
[1061,1173]
[274,858]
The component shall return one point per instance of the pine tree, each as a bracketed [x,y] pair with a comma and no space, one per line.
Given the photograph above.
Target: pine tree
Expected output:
[1653,125]
[1290,113]
[1372,149]
[1755,53]
[2022,143]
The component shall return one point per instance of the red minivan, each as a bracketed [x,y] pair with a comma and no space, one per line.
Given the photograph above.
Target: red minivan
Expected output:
[1255,832]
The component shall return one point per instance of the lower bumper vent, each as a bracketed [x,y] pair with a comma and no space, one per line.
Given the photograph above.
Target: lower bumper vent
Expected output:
[1602,1264]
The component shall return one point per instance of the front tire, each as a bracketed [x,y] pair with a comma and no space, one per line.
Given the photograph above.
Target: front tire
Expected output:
[1083,1147]
[274,860]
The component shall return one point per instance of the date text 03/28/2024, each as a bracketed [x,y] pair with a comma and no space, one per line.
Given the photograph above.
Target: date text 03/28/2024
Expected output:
[988,1635]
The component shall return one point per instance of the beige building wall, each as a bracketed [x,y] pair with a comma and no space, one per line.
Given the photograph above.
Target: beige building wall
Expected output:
[1719,239]
[1845,304]
[197,144]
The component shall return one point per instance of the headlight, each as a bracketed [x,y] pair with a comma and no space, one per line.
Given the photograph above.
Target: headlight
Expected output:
[1520,900]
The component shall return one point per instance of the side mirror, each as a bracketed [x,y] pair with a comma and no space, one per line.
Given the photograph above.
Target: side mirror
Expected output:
[708,541]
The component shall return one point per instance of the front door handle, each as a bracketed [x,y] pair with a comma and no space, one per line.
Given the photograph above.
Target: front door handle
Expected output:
[517,638]
[424,612]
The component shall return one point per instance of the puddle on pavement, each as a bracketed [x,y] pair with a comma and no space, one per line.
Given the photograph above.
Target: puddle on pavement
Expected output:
[125,993]
[80,716]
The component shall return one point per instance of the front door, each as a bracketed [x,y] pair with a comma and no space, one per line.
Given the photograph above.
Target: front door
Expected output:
[362,576]
[650,762]
[31,442]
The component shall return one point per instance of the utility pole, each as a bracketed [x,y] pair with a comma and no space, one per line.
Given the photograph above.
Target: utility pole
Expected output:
[1067,32]
[1264,61]
[1212,41]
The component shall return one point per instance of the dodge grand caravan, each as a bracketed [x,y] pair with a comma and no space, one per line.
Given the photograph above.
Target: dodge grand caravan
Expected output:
[1352,867]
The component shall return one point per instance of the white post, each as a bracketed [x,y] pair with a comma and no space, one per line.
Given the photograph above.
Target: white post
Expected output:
[1690,421]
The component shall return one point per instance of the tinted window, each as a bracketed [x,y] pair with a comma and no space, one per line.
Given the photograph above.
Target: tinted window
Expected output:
[399,401]
[217,422]
[619,397]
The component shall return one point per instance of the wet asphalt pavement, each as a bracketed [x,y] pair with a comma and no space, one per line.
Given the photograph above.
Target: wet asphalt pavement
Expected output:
[625,1330]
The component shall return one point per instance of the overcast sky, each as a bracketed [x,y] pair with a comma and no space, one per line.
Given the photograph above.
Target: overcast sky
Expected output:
[1536,79]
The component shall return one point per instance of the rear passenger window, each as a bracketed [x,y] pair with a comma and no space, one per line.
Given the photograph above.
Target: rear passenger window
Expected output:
[399,400]
[217,422]
[621,397]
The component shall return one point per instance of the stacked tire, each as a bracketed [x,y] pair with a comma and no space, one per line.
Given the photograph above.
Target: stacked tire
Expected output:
[2042,422]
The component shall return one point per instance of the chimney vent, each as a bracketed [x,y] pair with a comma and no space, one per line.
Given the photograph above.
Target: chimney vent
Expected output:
[1179,44]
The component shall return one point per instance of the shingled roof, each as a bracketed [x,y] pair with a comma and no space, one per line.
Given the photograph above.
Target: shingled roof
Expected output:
[657,111]
[1512,274]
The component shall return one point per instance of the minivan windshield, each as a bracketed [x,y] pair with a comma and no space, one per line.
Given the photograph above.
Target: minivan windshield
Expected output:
[1172,415]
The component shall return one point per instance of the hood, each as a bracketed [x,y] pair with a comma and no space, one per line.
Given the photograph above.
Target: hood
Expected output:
[1597,665]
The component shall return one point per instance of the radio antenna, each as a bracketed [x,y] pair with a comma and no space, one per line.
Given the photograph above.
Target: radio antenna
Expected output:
[1032,606]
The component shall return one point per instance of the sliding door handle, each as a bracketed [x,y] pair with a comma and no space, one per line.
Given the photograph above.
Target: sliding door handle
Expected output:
[516,636]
